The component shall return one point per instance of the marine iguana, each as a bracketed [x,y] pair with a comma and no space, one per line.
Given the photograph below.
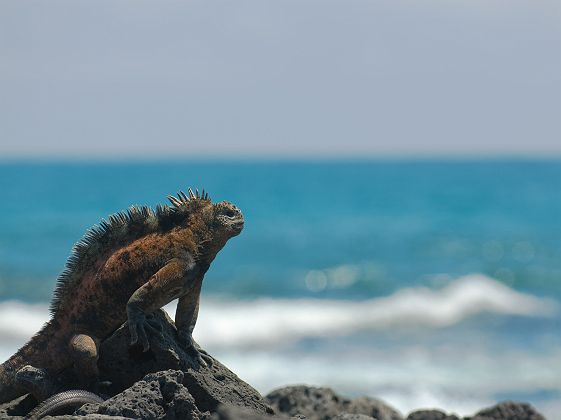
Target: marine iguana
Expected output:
[123,269]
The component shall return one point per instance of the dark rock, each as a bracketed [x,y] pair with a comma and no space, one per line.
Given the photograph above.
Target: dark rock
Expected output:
[313,403]
[431,415]
[18,407]
[325,404]
[158,396]
[347,416]
[374,408]
[218,385]
[124,365]
[210,385]
[90,417]
[509,410]
[230,412]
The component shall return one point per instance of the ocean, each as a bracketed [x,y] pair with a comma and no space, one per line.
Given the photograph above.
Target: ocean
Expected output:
[428,283]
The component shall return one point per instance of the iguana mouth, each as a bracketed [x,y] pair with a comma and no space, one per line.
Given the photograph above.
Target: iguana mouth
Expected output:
[236,226]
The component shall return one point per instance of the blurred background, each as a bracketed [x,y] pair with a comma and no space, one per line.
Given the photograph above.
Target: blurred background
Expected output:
[398,165]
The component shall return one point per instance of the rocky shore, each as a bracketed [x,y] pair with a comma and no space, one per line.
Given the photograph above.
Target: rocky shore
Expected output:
[168,383]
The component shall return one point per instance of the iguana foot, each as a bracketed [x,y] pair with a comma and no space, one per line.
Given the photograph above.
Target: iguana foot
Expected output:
[139,324]
[202,357]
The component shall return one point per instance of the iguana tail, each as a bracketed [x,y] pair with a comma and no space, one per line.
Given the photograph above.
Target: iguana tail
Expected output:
[33,353]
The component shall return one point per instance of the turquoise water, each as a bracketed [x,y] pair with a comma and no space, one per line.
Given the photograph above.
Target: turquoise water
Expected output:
[396,234]
[407,221]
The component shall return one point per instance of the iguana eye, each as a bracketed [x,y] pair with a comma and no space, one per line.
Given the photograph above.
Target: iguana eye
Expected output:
[229,213]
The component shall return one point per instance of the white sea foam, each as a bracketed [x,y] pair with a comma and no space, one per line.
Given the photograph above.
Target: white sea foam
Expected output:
[267,322]
[270,321]
[18,322]
[253,337]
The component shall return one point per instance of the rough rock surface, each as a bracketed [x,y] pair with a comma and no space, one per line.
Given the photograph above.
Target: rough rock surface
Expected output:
[18,407]
[230,412]
[210,386]
[159,395]
[347,416]
[509,410]
[325,404]
[313,403]
[90,417]
[372,407]
[431,415]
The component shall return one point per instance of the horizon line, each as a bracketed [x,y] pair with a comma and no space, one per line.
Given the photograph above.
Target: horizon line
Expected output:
[255,158]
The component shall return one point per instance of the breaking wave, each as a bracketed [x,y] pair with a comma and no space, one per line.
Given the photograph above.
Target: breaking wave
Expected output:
[269,321]
[265,322]
[251,337]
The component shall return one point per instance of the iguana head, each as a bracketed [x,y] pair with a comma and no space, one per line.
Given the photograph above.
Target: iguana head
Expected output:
[219,221]
[227,220]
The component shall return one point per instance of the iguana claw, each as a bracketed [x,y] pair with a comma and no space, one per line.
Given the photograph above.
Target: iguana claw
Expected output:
[139,323]
[186,340]
[204,358]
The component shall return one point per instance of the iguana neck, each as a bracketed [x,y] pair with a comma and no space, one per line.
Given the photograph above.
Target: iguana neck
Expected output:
[209,249]
[208,245]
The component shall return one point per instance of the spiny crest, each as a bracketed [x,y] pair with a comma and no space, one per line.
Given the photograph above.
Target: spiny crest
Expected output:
[183,200]
[109,234]
[118,230]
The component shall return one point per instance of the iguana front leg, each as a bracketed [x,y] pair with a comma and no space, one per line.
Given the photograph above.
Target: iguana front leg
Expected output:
[185,319]
[166,285]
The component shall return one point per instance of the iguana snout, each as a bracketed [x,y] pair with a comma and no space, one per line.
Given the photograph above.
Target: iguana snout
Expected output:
[228,219]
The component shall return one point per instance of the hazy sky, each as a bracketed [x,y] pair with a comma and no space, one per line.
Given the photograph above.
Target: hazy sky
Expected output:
[290,77]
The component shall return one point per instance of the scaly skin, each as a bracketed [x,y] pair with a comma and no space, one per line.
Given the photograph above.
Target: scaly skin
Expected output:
[67,400]
[124,270]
